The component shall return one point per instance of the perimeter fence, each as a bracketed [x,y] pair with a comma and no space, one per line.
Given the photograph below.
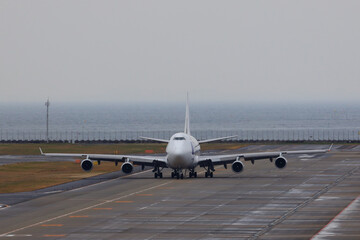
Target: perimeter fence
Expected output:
[269,135]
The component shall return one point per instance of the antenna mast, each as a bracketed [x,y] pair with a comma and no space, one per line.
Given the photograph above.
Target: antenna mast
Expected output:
[47,104]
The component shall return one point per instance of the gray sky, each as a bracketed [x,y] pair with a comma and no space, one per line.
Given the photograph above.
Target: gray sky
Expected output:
[120,51]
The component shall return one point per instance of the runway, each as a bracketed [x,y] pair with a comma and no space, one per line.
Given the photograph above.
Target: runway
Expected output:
[315,196]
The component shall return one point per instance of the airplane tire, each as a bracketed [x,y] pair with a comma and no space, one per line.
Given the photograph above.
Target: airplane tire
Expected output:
[211,174]
[155,175]
[190,174]
[177,176]
[182,176]
[195,174]
[172,175]
[206,174]
[161,175]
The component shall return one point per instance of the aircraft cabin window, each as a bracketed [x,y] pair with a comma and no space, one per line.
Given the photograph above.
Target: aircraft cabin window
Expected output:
[179,138]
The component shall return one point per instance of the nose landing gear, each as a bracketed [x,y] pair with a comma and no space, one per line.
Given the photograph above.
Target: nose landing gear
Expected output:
[178,174]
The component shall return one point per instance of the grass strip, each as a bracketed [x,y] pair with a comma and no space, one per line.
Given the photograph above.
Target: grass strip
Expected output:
[29,176]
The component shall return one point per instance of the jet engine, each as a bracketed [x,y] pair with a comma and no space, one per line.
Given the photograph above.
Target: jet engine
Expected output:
[86,165]
[237,166]
[280,162]
[127,167]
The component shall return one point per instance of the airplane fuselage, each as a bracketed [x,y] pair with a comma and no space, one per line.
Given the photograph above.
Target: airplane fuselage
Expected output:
[182,151]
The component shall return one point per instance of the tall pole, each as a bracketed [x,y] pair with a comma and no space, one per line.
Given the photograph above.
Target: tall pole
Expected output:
[47,104]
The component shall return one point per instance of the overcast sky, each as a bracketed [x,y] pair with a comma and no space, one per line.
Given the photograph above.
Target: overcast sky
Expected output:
[122,51]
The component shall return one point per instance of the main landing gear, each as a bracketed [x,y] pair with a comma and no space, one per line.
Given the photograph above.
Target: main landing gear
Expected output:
[192,173]
[209,171]
[209,168]
[157,172]
[156,175]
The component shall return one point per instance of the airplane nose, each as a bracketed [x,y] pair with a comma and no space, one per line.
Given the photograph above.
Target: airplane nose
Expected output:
[179,154]
[181,149]
[176,160]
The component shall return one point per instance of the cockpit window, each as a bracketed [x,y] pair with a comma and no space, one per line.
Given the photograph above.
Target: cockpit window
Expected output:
[179,138]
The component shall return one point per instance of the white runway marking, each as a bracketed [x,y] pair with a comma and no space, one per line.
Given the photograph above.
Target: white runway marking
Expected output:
[3,206]
[57,191]
[306,156]
[151,205]
[330,229]
[18,235]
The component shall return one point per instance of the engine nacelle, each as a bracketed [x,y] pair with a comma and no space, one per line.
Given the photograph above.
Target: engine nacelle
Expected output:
[86,165]
[237,166]
[127,167]
[280,162]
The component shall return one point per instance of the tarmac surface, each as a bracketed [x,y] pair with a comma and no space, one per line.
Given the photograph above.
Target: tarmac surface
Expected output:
[9,159]
[315,196]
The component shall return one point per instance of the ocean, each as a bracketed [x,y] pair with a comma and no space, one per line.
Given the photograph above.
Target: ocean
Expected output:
[91,121]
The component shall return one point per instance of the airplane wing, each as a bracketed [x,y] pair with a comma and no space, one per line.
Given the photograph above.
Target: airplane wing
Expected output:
[155,139]
[148,160]
[224,159]
[216,139]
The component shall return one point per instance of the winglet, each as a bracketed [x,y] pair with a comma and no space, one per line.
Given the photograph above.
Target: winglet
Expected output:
[330,147]
[41,152]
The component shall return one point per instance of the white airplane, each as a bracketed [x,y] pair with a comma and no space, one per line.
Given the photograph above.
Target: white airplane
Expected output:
[183,154]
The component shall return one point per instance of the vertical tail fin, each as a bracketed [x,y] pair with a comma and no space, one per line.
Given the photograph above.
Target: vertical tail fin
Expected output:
[187,117]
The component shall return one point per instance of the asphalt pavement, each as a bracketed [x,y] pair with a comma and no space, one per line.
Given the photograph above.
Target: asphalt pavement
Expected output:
[315,196]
